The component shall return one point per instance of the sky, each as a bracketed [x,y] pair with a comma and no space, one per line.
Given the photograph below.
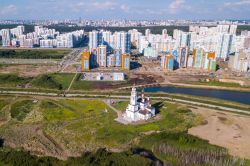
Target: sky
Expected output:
[125,9]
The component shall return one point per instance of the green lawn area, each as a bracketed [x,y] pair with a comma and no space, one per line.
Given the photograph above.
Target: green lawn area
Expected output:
[58,81]
[179,148]
[84,125]
[20,109]
[96,85]
[121,105]
[13,80]
[33,53]
[89,124]
[216,83]
[3,103]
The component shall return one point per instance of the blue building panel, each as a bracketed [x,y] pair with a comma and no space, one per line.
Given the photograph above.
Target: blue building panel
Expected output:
[170,64]
[118,58]
[176,63]
[127,64]
[86,64]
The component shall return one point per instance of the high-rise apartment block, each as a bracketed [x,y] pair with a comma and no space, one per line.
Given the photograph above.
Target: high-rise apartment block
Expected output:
[167,62]
[125,61]
[85,61]
[41,37]
[6,37]
[102,56]
[95,39]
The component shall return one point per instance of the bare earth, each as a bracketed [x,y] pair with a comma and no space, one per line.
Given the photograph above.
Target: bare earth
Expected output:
[29,70]
[224,129]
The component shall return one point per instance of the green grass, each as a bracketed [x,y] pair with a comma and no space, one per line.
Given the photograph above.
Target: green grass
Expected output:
[181,149]
[217,83]
[102,157]
[224,84]
[83,125]
[88,123]
[121,105]
[78,84]
[96,85]
[63,78]
[33,53]
[3,103]
[56,81]
[13,80]
[20,109]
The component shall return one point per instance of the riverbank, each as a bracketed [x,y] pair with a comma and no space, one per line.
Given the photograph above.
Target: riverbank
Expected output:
[233,96]
[185,85]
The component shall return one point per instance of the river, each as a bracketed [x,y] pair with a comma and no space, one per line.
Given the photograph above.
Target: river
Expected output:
[236,96]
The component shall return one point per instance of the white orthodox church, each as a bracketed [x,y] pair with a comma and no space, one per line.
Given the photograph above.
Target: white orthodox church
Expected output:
[139,108]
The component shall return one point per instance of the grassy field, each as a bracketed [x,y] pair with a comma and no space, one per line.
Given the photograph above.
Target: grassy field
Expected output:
[79,126]
[3,103]
[13,80]
[33,53]
[101,157]
[90,127]
[121,105]
[217,83]
[181,148]
[53,81]
[20,109]
[96,85]
[56,81]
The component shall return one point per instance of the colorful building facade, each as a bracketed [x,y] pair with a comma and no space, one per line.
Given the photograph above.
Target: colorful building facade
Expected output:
[85,61]
[125,61]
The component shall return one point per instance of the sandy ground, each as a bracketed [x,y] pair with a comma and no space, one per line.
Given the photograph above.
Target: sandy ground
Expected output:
[29,70]
[224,129]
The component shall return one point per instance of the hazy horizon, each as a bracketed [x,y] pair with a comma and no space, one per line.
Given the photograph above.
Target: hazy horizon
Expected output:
[124,9]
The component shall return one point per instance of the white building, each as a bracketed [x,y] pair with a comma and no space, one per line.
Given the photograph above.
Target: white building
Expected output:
[224,46]
[65,41]
[150,52]
[147,32]
[102,56]
[122,41]
[139,108]
[95,39]
[6,37]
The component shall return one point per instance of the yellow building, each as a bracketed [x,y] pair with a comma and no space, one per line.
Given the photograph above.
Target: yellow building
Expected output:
[125,61]
[167,63]
[85,61]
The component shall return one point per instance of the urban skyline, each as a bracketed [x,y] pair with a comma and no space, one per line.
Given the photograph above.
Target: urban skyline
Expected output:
[121,9]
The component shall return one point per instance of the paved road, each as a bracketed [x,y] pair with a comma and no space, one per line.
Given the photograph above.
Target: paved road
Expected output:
[71,58]
[124,97]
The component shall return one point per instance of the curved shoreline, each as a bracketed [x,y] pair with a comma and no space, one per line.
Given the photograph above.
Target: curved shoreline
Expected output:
[206,87]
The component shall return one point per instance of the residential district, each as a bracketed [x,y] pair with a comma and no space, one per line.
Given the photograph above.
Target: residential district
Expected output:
[202,47]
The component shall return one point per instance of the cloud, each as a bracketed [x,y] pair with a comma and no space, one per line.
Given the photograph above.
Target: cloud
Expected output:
[176,5]
[107,5]
[125,8]
[8,9]
[237,4]
[93,6]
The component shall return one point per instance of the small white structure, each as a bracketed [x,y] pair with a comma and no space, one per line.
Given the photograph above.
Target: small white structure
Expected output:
[118,76]
[139,108]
